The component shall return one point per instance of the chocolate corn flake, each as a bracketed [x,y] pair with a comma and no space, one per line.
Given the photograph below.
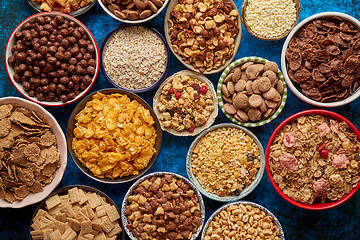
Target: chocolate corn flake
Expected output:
[29,156]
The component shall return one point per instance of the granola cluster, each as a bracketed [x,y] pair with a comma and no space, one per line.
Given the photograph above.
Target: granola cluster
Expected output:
[315,159]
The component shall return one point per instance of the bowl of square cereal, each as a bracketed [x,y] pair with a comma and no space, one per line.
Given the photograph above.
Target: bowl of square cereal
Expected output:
[113,136]
[203,36]
[185,103]
[320,59]
[165,205]
[77,212]
[312,159]
[239,218]
[226,162]
[33,153]
[135,58]
[252,91]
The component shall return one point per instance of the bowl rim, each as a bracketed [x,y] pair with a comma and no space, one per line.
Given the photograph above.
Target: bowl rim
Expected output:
[133,21]
[314,206]
[75,13]
[254,34]
[60,191]
[19,86]
[189,66]
[253,204]
[239,62]
[147,176]
[61,145]
[162,77]
[244,192]
[69,136]
[297,92]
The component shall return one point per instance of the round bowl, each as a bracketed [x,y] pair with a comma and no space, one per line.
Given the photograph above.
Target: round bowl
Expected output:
[162,174]
[154,85]
[61,145]
[246,190]
[252,204]
[193,75]
[314,206]
[75,13]
[70,136]
[10,69]
[267,38]
[237,39]
[64,191]
[294,86]
[101,2]
[221,101]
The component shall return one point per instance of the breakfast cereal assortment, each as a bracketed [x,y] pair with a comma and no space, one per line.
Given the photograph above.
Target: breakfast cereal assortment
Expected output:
[29,156]
[315,159]
[114,136]
[64,6]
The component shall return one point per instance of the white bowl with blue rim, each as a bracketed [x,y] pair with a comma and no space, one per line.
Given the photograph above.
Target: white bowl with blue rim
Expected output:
[263,121]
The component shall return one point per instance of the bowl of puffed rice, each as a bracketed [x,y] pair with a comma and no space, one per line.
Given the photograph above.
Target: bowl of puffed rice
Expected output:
[312,159]
[270,20]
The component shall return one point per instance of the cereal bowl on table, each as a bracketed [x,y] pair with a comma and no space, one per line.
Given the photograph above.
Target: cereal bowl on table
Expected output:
[33,152]
[96,213]
[226,162]
[312,159]
[320,59]
[245,214]
[113,136]
[212,44]
[52,59]
[133,11]
[185,103]
[270,20]
[252,91]
[165,204]
[135,58]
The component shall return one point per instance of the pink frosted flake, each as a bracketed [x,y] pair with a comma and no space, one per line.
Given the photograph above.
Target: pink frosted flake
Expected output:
[334,126]
[324,129]
[320,186]
[288,161]
[340,161]
[289,139]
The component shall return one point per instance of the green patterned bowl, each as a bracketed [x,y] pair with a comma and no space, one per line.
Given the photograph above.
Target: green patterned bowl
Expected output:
[222,102]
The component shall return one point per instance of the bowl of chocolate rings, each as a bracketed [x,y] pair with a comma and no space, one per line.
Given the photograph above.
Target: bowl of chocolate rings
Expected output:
[163,205]
[320,59]
[52,59]
[242,220]
[33,152]
[312,159]
[252,91]
[226,162]
[113,136]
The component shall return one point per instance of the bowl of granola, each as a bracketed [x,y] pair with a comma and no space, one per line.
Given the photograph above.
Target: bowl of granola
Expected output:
[186,103]
[33,152]
[206,40]
[72,7]
[226,162]
[252,91]
[312,159]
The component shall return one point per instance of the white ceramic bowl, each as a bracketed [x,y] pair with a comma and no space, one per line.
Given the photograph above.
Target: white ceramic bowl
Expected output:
[132,21]
[297,91]
[246,190]
[61,145]
[10,69]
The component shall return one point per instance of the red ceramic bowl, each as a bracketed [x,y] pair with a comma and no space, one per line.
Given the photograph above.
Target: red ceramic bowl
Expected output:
[314,206]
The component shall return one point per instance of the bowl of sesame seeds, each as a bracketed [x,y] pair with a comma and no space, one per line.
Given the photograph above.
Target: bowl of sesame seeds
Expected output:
[270,20]
[135,58]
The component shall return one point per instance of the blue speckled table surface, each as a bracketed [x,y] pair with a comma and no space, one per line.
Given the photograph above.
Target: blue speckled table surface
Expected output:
[342,222]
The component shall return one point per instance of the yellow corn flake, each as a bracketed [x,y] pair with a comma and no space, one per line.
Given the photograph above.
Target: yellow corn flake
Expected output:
[114,136]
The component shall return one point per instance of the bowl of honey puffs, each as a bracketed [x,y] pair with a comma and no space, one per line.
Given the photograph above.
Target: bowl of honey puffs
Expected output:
[113,136]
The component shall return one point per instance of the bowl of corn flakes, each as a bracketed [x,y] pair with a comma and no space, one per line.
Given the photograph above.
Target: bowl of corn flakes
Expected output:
[113,136]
